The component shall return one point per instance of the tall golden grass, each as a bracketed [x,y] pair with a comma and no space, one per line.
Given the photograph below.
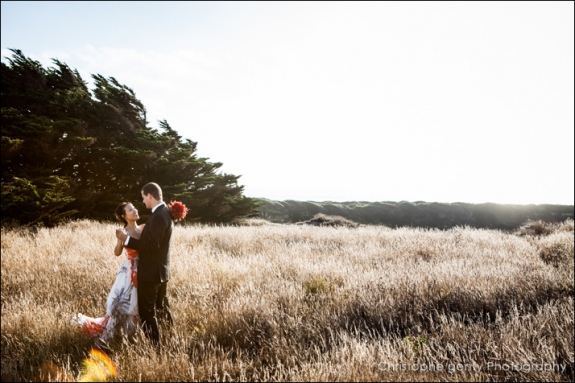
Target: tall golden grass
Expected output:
[300,303]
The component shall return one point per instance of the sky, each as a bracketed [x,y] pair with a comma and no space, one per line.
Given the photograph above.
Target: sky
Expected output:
[339,101]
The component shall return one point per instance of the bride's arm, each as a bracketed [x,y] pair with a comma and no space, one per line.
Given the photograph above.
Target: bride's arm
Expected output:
[119,247]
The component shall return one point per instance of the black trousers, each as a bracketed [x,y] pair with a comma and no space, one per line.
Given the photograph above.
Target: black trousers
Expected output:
[153,303]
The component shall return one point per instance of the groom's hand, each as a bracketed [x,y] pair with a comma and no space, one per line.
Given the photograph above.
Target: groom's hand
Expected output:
[121,235]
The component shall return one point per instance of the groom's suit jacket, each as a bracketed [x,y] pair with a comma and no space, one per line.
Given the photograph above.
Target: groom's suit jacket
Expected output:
[154,247]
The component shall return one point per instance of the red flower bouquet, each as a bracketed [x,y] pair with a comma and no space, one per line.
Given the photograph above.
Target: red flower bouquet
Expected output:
[178,210]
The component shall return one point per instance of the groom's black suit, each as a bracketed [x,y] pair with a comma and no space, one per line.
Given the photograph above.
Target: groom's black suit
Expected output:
[154,269]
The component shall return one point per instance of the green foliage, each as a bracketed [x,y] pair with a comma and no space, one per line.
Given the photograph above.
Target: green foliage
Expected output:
[68,153]
[40,202]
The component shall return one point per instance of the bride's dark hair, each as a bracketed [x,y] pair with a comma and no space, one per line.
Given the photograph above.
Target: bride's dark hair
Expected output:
[120,212]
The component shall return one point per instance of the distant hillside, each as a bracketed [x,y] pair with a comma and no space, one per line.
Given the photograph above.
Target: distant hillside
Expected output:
[417,214]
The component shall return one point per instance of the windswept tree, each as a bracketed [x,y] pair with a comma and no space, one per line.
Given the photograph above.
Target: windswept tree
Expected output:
[40,132]
[70,153]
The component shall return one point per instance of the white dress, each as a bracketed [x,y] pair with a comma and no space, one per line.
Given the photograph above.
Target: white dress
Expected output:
[121,306]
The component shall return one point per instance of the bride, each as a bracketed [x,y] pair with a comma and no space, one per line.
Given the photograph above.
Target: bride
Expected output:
[122,304]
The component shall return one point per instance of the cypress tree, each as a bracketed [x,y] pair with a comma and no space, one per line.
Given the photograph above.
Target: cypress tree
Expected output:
[68,153]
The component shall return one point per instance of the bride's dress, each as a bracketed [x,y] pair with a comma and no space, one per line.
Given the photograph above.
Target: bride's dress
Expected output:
[121,306]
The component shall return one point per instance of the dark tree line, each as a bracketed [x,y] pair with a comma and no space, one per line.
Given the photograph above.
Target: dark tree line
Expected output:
[71,153]
[418,214]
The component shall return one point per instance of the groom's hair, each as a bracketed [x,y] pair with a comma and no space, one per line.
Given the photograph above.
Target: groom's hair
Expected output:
[154,189]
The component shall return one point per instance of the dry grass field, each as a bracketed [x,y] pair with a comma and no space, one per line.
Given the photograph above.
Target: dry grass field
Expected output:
[300,303]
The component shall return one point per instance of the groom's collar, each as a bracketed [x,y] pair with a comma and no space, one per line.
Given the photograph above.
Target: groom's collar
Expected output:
[157,206]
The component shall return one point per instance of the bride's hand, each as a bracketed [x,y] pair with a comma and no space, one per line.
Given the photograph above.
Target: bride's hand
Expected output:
[121,234]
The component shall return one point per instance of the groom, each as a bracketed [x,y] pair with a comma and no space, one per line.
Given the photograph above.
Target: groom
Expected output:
[154,261]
